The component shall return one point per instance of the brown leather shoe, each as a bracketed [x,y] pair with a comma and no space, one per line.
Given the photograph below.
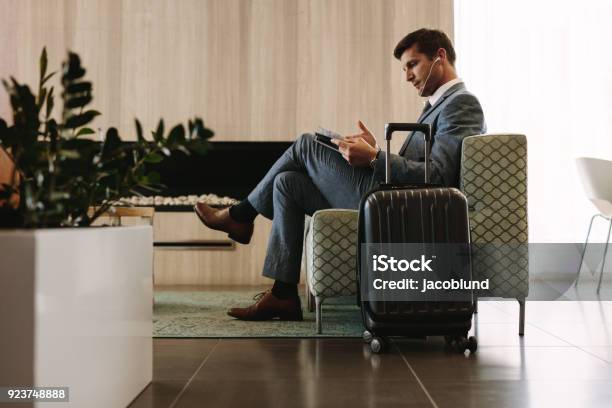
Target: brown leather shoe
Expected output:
[221,220]
[268,307]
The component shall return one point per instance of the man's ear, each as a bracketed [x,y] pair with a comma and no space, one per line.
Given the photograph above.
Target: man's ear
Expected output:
[441,53]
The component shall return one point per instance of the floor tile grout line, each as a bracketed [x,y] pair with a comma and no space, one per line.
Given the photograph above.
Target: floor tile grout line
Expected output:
[559,338]
[537,327]
[594,355]
[573,345]
[180,394]
[429,397]
[527,324]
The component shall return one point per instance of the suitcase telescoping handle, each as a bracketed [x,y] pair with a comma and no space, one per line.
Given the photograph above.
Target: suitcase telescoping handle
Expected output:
[406,127]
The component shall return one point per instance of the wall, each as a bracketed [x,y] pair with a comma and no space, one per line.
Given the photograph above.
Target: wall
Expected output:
[252,69]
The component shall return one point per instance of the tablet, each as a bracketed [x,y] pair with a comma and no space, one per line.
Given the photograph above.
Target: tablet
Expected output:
[325,141]
[325,136]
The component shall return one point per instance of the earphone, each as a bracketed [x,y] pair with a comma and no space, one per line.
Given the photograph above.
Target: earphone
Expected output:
[428,75]
[421,92]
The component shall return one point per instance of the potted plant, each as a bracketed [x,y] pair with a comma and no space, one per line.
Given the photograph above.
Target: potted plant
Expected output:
[76,303]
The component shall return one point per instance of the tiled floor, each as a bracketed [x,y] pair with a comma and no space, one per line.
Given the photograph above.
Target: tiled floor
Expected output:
[564,360]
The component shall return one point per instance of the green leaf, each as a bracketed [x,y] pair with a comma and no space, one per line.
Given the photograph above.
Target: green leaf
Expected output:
[139,134]
[78,102]
[58,195]
[7,136]
[85,131]
[41,97]
[52,132]
[48,77]
[78,87]
[200,131]
[136,192]
[143,183]
[153,158]
[158,135]
[70,154]
[25,110]
[82,119]
[183,149]
[154,177]
[112,142]
[206,134]
[50,102]
[72,69]
[198,146]
[43,64]
[177,135]
[101,175]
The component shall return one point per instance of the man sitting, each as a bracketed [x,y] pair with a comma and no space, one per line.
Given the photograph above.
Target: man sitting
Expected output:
[310,177]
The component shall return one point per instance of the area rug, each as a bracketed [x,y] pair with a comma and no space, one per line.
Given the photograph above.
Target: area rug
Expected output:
[202,313]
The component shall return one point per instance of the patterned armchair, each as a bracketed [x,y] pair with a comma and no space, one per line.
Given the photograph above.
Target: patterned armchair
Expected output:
[330,255]
[494,179]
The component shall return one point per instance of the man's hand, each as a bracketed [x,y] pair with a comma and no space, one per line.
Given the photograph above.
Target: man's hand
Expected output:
[365,135]
[356,151]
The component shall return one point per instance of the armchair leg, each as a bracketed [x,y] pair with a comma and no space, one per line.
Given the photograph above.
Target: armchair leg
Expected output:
[521,317]
[318,303]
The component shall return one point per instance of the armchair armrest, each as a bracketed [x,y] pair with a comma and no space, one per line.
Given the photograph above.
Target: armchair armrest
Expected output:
[331,253]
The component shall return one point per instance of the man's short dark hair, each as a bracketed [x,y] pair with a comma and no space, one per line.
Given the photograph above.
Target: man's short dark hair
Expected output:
[428,42]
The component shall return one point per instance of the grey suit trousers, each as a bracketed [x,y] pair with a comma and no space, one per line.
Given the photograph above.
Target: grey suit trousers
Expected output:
[306,178]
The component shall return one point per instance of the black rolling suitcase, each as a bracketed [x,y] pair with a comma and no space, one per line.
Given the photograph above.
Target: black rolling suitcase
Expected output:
[407,215]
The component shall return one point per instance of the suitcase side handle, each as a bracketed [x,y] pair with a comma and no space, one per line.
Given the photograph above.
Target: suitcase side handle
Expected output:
[407,127]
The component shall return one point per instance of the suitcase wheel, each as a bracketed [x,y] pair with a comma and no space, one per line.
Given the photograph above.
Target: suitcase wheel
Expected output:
[367,336]
[459,344]
[472,344]
[378,345]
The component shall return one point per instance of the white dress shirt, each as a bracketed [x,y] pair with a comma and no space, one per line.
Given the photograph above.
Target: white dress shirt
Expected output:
[440,91]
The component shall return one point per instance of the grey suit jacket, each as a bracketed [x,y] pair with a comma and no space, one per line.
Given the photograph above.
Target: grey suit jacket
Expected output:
[455,115]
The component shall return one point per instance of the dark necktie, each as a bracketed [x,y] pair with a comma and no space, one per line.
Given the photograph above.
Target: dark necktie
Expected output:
[425,109]
[407,141]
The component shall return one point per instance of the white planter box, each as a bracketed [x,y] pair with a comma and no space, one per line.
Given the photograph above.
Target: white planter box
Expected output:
[76,311]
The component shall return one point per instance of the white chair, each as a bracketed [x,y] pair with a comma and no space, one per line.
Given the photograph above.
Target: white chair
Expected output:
[596,177]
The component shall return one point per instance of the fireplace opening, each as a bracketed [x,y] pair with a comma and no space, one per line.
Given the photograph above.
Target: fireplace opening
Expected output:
[226,173]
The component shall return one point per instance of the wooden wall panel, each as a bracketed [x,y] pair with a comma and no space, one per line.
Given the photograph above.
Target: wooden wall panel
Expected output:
[347,54]
[252,69]
[8,48]
[240,265]
[93,30]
